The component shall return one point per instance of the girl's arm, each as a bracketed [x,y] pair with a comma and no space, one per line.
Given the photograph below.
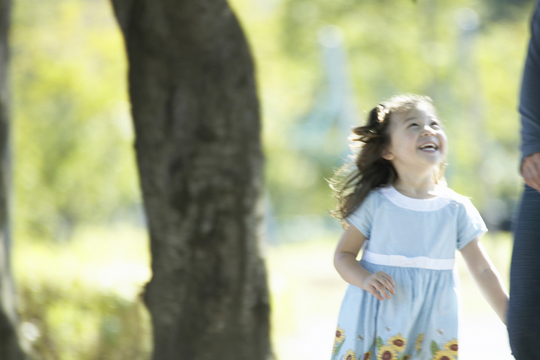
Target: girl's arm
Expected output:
[352,272]
[486,277]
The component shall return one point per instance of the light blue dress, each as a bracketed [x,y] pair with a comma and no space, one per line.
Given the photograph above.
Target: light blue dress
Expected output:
[415,242]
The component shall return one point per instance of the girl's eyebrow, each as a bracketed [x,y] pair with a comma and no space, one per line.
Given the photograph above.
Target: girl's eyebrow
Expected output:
[415,118]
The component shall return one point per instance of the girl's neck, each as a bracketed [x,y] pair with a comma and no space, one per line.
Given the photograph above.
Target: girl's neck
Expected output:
[423,188]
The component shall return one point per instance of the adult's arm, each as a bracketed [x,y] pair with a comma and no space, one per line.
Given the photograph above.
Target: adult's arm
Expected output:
[529,108]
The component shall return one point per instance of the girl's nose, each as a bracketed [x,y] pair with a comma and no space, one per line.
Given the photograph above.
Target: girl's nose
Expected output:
[427,131]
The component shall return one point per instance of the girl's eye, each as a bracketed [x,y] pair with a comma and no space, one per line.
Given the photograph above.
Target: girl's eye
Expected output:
[435,124]
[413,124]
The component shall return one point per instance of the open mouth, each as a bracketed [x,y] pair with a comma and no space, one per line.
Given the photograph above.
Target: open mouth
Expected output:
[429,147]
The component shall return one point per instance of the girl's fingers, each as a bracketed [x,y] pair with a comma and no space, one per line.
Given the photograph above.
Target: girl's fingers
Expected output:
[392,281]
[382,289]
[388,282]
[378,290]
[387,277]
[378,287]
[375,293]
[382,286]
[389,286]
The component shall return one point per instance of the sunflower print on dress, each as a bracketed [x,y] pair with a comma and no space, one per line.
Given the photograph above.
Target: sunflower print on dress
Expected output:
[386,352]
[340,335]
[350,355]
[367,356]
[340,338]
[443,355]
[418,343]
[398,342]
[452,346]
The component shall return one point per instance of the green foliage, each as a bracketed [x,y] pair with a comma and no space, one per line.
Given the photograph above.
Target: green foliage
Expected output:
[463,54]
[72,130]
[73,154]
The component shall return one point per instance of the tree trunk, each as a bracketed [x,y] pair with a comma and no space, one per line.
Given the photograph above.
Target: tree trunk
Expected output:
[197,126]
[10,348]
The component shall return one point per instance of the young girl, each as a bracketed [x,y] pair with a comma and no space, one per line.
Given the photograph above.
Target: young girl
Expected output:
[403,298]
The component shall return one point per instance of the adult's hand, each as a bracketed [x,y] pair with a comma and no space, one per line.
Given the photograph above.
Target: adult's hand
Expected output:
[530,170]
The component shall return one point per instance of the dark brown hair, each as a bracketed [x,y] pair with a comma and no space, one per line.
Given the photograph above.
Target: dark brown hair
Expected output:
[369,170]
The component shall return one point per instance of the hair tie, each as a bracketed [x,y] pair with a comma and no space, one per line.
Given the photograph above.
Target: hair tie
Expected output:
[382,111]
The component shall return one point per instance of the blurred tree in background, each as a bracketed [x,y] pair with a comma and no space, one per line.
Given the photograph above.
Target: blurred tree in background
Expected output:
[10,339]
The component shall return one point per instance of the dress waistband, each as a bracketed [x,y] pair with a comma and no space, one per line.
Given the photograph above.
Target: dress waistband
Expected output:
[403,261]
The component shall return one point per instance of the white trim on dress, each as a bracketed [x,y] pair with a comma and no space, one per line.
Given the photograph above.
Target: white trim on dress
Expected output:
[409,203]
[403,261]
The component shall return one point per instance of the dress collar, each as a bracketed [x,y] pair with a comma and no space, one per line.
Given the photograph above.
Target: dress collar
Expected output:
[431,204]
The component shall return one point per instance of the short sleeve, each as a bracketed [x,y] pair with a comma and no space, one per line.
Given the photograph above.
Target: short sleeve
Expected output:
[362,217]
[470,224]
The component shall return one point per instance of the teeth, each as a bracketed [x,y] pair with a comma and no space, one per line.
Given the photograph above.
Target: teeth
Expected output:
[428,146]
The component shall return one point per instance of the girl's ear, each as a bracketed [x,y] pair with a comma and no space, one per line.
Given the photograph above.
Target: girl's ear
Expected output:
[387,155]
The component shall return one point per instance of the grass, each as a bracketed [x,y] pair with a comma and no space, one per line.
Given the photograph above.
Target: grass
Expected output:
[80,300]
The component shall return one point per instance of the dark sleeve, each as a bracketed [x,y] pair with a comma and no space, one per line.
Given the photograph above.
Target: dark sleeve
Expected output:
[529,104]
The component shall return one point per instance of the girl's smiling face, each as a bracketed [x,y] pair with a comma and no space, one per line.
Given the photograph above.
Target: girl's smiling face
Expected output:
[417,140]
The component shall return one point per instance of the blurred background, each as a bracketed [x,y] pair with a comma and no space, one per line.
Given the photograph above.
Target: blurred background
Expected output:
[79,250]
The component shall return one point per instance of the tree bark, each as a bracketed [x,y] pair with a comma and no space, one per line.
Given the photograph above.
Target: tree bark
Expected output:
[10,348]
[197,126]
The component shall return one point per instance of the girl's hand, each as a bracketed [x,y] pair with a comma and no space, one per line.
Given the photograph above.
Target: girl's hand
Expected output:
[380,282]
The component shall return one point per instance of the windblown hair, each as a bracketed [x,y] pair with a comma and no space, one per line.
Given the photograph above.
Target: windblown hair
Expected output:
[369,170]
